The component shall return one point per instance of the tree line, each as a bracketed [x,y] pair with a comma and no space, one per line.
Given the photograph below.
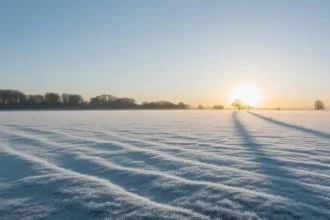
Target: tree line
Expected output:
[14,99]
[215,107]
[238,104]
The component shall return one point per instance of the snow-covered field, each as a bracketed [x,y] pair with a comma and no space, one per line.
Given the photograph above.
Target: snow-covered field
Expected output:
[165,165]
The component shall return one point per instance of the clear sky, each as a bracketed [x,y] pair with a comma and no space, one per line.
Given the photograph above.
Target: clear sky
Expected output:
[190,51]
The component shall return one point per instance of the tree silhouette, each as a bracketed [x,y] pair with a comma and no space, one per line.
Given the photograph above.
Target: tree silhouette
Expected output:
[52,99]
[75,100]
[65,98]
[181,105]
[124,103]
[200,107]
[163,105]
[319,105]
[218,107]
[238,104]
[241,105]
[102,101]
[12,97]
[35,99]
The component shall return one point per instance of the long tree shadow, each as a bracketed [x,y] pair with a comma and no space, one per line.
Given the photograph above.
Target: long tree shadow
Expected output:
[281,181]
[299,128]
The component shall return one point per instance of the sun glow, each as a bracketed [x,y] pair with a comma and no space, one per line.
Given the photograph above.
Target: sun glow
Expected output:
[247,93]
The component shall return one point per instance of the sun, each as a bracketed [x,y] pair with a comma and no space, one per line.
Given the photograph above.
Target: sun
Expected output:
[247,93]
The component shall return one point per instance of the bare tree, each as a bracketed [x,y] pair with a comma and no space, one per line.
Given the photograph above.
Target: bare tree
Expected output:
[238,104]
[200,107]
[319,105]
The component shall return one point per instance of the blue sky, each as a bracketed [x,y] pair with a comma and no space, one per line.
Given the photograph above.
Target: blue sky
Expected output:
[191,51]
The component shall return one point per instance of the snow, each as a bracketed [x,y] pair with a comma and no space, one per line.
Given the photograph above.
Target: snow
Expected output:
[165,165]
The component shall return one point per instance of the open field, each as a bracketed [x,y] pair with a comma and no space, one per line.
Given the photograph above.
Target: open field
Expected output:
[165,165]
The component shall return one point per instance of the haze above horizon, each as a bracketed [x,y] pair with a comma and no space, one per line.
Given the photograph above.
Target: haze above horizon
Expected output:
[190,51]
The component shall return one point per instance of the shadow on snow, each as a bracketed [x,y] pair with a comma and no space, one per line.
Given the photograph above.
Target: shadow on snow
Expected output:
[296,127]
[294,190]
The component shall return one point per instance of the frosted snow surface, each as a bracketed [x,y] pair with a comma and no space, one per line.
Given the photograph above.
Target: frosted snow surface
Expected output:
[165,165]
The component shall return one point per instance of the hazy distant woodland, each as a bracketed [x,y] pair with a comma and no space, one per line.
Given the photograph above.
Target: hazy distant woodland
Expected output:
[14,99]
[17,100]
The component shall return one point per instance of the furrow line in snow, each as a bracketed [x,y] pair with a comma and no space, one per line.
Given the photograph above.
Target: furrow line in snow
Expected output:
[178,159]
[197,152]
[106,164]
[114,189]
[213,155]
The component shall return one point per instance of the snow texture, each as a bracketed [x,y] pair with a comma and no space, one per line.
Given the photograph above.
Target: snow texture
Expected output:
[165,165]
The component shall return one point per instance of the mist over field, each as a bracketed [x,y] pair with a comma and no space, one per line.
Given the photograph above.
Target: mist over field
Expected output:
[165,165]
